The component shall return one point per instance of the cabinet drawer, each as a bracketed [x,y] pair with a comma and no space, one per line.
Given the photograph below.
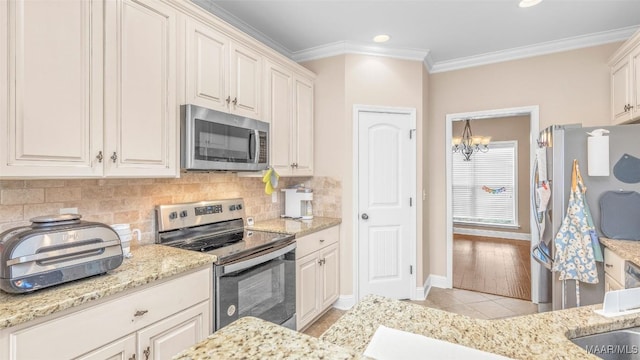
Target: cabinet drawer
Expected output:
[76,333]
[610,284]
[316,241]
[614,266]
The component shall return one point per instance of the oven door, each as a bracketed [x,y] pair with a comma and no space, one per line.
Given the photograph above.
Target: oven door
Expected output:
[263,287]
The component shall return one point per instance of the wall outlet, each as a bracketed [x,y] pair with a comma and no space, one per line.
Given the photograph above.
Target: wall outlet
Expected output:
[274,197]
[69,211]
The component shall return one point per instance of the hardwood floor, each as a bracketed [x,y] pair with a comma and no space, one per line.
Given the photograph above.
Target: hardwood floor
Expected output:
[492,265]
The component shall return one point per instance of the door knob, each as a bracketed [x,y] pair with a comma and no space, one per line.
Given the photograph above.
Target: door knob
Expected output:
[365,216]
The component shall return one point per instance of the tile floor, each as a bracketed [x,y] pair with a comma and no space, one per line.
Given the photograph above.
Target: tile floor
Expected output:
[473,304]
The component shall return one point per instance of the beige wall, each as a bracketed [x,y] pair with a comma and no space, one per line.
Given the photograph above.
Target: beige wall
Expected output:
[342,82]
[569,87]
[507,129]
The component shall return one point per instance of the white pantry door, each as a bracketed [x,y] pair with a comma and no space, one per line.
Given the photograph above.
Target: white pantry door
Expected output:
[386,202]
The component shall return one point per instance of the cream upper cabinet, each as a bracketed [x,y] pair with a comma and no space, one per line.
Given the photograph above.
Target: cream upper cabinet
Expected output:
[52,95]
[289,109]
[222,74]
[141,112]
[104,104]
[303,125]
[207,66]
[625,82]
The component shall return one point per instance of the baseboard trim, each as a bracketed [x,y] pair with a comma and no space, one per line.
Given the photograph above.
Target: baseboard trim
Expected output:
[493,233]
[438,281]
[345,302]
[423,291]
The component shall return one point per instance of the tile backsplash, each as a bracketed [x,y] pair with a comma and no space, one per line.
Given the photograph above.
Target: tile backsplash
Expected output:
[132,201]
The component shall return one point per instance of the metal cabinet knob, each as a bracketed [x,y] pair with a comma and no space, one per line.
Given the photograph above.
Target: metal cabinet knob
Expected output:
[114,157]
[228,99]
[365,216]
[235,101]
[133,357]
[147,352]
[99,156]
[608,265]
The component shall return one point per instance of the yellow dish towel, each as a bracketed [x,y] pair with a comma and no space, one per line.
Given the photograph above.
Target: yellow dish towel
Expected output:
[270,180]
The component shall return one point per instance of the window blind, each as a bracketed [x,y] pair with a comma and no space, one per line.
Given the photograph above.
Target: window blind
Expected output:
[485,188]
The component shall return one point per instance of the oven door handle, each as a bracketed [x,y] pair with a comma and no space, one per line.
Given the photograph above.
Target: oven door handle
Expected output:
[243,265]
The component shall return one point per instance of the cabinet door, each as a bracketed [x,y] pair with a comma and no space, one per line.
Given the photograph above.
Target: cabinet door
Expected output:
[307,289]
[51,57]
[207,67]
[303,119]
[279,113]
[121,349]
[635,83]
[168,337]
[245,86]
[620,96]
[330,275]
[140,72]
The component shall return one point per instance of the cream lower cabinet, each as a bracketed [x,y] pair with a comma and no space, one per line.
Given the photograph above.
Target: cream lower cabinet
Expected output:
[154,322]
[613,271]
[317,274]
[104,104]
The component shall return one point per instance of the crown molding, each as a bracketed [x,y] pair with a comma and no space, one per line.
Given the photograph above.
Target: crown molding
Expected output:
[243,26]
[550,47]
[351,47]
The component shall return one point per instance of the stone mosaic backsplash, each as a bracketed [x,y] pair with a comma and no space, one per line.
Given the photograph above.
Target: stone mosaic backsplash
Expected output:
[132,201]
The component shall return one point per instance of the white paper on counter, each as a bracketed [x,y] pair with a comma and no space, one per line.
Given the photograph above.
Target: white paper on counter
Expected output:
[392,344]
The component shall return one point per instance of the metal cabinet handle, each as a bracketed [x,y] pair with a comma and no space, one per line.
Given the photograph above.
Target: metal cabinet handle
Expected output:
[321,240]
[133,357]
[140,313]
[365,216]
[608,265]
[295,165]
[235,101]
[114,157]
[147,352]
[99,156]
[321,262]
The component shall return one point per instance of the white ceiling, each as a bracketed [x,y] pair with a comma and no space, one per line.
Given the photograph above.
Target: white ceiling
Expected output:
[450,33]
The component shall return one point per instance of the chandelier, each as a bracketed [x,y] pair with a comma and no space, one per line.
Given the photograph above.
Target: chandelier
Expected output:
[467,144]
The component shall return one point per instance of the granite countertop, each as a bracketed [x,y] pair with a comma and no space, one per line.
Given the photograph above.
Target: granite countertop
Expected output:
[297,227]
[537,336]
[627,249]
[253,338]
[148,263]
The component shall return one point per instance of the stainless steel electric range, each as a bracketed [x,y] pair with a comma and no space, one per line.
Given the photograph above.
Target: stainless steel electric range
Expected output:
[254,274]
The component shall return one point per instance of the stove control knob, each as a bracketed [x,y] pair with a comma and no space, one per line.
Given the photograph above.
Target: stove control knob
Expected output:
[232,207]
[239,207]
[173,215]
[183,213]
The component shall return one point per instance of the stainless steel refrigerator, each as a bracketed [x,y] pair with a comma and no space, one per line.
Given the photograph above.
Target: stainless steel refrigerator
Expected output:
[562,145]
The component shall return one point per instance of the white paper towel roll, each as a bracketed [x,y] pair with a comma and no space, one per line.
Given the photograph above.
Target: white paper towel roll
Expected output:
[598,155]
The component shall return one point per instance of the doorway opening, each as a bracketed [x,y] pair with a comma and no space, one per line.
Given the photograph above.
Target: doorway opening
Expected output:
[489,229]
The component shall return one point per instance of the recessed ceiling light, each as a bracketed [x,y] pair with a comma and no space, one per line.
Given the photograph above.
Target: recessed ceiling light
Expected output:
[529,3]
[381,38]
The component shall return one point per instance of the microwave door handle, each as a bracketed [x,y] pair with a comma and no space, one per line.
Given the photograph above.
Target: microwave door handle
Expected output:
[256,139]
[252,145]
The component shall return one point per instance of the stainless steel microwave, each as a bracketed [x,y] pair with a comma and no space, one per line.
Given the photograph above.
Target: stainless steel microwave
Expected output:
[213,140]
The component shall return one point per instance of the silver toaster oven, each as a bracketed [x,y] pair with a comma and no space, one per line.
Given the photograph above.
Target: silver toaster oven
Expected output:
[55,250]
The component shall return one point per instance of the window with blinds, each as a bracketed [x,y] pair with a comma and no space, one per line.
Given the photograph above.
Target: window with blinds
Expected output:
[485,188]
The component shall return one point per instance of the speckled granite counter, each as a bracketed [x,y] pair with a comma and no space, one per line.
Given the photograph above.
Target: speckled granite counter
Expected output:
[297,227]
[626,249]
[252,338]
[538,336]
[149,263]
